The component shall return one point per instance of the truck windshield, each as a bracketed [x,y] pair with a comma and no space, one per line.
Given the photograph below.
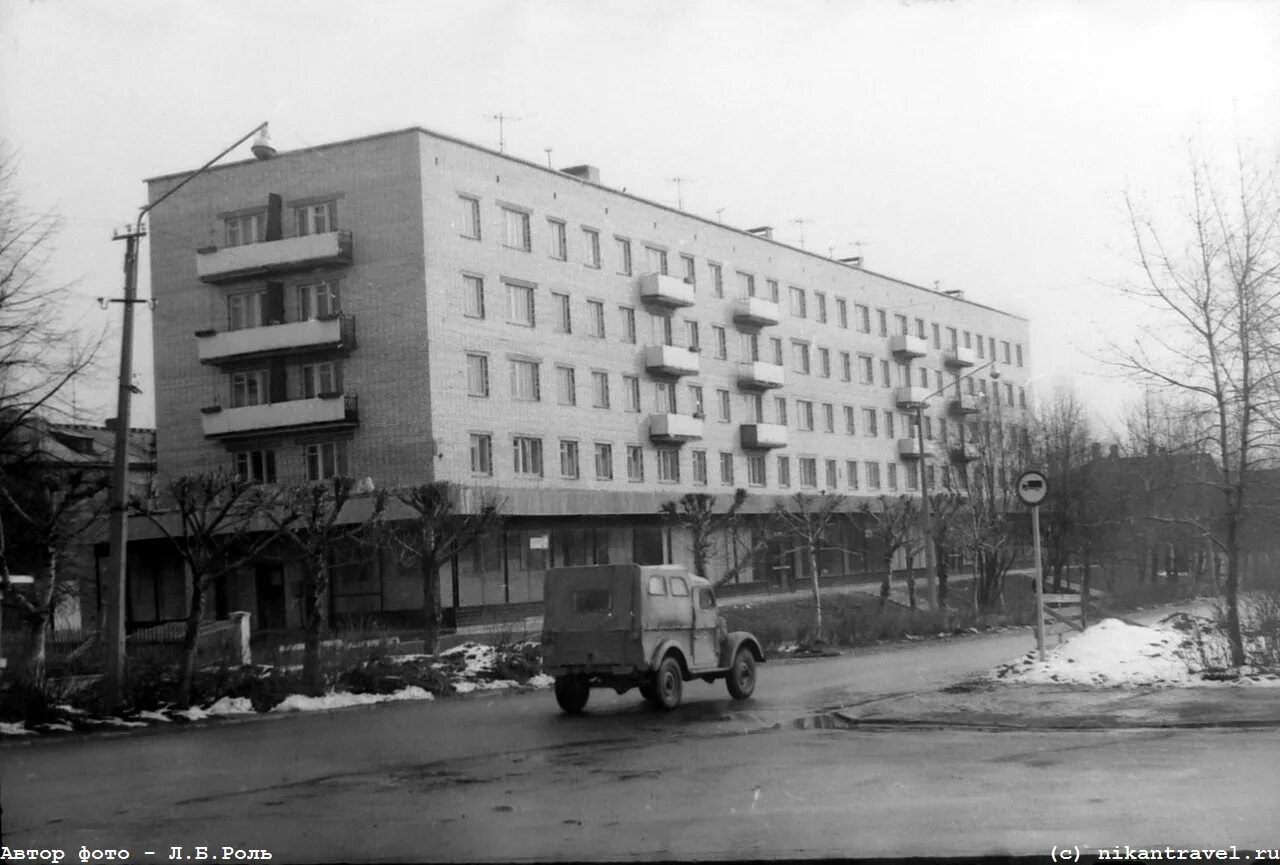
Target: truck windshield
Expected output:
[592,601]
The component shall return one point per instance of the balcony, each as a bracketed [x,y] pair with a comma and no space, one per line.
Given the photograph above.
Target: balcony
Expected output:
[962,405]
[755,312]
[665,290]
[909,449]
[905,347]
[327,412]
[910,397]
[963,453]
[674,428]
[957,358]
[274,256]
[337,333]
[761,436]
[671,360]
[758,375]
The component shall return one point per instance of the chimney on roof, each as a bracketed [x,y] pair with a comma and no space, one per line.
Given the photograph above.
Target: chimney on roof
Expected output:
[1097,451]
[852,261]
[765,231]
[589,173]
[1115,451]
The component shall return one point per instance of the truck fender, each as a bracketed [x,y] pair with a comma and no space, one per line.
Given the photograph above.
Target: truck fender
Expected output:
[736,640]
[672,646]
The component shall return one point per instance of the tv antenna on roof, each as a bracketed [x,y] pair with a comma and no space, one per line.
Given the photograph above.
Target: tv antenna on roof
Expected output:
[502,119]
[548,152]
[718,213]
[801,223]
[679,196]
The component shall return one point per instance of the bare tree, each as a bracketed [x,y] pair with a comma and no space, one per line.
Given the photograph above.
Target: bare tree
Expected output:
[804,519]
[696,513]
[1213,285]
[1063,440]
[893,524]
[944,526]
[438,527]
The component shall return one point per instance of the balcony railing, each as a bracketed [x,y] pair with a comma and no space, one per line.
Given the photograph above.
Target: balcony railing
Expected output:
[756,374]
[761,436]
[665,290]
[332,332]
[906,347]
[910,397]
[675,428]
[959,357]
[274,256]
[756,312]
[961,405]
[909,449]
[671,360]
[327,411]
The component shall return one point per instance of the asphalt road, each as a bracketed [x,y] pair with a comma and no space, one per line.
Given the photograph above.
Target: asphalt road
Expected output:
[510,778]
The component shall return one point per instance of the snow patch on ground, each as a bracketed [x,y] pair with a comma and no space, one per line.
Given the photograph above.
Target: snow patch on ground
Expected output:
[119,722]
[466,687]
[8,729]
[149,715]
[476,658]
[231,706]
[542,681]
[192,714]
[340,700]
[57,727]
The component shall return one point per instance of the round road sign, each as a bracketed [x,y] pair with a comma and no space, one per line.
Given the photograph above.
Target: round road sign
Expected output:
[1032,488]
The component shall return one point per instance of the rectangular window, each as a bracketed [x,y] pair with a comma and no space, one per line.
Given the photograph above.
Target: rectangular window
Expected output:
[664,397]
[784,471]
[804,414]
[316,299]
[873,475]
[481,454]
[631,387]
[568,458]
[526,453]
[755,408]
[520,308]
[246,310]
[1008,394]
[828,417]
[717,279]
[776,344]
[256,467]
[321,378]
[669,466]
[982,350]
[657,259]
[722,342]
[563,312]
[595,318]
[920,329]
[599,389]
[1017,350]
[850,428]
[516,223]
[800,356]
[953,338]
[624,255]
[473,296]
[888,425]
[756,470]
[525,384]
[937,335]
[900,324]
[774,290]
[1004,352]
[1022,397]
[913,476]
[248,388]
[885,379]
[747,284]
[695,400]
[869,422]
[604,461]
[325,460]
[690,270]
[882,322]
[246,228]
[868,368]
[842,313]
[820,301]
[469,216]
[722,400]
[566,386]
[893,475]
[863,314]
[319,218]
[591,240]
[798,309]
[691,335]
[924,377]
[726,468]
[808,471]
[557,240]
[780,410]
[700,467]
[851,473]
[824,362]
[968,339]
[635,463]
[846,366]
[628,324]
[833,475]
[477,374]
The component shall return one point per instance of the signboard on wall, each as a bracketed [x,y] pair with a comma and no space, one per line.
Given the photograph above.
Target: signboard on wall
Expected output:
[539,542]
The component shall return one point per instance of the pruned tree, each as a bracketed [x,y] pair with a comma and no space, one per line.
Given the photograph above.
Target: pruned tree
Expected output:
[218,523]
[894,524]
[804,519]
[438,526]
[1212,284]
[1062,443]
[696,514]
[946,514]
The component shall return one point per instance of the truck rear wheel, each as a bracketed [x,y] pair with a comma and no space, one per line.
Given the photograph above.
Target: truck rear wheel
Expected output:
[742,675]
[668,684]
[648,691]
[572,693]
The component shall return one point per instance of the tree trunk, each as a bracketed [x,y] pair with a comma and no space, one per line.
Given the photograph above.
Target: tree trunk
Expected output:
[191,640]
[911,582]
[431,604]
[884,583]
[35,668]
[317,615]
[1233,596]
[941,559]
[817,595]
[1084,592]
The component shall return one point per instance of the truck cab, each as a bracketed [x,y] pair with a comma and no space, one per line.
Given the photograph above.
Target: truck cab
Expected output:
[651,627]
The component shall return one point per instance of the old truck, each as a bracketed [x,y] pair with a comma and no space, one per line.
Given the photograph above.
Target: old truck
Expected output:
[651,627]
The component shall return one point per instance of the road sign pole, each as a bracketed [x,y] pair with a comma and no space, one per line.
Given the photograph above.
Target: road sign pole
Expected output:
[1035,539]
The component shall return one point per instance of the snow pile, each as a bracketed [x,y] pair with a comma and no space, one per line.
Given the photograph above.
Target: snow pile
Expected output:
[231,706]
[542,681]
[8,729]
[476,658]
[341,700]
[465,686]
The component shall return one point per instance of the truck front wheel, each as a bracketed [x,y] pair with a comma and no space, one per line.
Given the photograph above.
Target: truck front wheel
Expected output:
[668,684]
[742,675]
[572,693]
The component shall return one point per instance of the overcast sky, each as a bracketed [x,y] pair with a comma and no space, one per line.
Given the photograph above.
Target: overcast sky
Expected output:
[982,145]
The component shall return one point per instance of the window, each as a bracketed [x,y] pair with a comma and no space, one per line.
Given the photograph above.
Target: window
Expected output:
[755,408]
[477,374]
[726,468]
[469,215]
[928,428]
[635,463]
[722,400]
[624,256]
[800,356]
[525,383]
[850,427]
[797,302]
[776,343]
[968,339]
[679,588]
[568,458]
[833,475]
[953,338]
[808,471]
[481,454]
[557,240]
[628,324]
[1008,394]
[664,397]
[747,282]
[526,452]
[820,301]
[695,400]
[591,238]
[631,388]
[1017,350]
[246,228]
[657,585]
[595,319]
[257,467]
[472,296]
[1022,397]
[893,475]
[846,366]
[717,279]
[863,315]
[900,324]
[249,388]
[774,291]
[828,417]
[842,313]
[913,476]
[869,422]
[599,389]
[520,304]
[690,271]
[706,600]
[1004,352]
[924,377]
[851,473]
[563,312]
[669,465]
[888,425]
[882,322]
[316,299]
[804,414]
[660,329]
[246,310]
[937,335]
[784,471]
[691,335]
[873,475]
[604,461]
[991,347]
[750,346]
[824,362]
[756,470]
[566,386]
[319,218]
[920,329]
[868,369]
[325,460]
[722,341]
[700,467]
[516,225]
[982,351]
[884,373]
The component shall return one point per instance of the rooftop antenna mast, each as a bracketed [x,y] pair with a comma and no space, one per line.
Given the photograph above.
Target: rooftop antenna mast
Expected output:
[502,119]
[548,151]
[802,223]
[679,196]
[718,215]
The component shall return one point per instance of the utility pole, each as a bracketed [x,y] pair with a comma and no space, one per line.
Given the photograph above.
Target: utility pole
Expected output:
[502,119]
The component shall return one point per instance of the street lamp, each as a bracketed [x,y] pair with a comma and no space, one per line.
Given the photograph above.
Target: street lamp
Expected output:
[118,533]
[926,513]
